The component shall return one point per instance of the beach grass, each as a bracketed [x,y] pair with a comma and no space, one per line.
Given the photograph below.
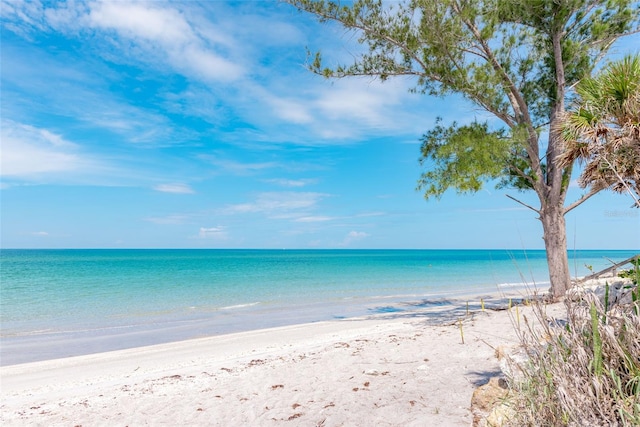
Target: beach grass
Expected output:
[582,373]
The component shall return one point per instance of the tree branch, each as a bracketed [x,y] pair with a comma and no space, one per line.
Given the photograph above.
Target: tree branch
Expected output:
[524,204]
[363,27]
[581,200]
[345,74]
[522,175]
[579,24]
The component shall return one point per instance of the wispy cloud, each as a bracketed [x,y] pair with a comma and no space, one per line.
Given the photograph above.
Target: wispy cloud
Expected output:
[315,218]
[355,107]
[354,236]
[80,95]
[368,214]
[148,30]
[22,17]
[216,233]
[226,66]
[136,125]
[291,110]
[30,152]
[315,113]
[292,182]
[238,168]
[280,205]
[174,188]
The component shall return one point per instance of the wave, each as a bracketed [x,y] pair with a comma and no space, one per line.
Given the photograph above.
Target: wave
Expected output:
[237,306]
[26,333]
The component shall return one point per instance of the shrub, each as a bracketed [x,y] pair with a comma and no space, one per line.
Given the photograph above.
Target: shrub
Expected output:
[582,373]
[633,273]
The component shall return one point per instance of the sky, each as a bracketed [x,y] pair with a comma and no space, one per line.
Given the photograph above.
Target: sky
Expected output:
[196,125]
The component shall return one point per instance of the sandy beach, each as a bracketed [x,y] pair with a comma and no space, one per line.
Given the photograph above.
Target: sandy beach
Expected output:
[385,371]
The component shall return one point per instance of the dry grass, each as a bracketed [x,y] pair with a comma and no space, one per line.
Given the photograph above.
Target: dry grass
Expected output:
[582,373]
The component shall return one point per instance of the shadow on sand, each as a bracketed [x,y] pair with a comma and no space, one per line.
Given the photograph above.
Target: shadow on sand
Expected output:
[443,310]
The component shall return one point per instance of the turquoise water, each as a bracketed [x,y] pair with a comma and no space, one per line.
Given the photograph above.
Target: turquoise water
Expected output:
[56,303]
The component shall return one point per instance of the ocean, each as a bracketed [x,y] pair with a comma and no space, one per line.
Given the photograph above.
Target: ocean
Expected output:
[59,303]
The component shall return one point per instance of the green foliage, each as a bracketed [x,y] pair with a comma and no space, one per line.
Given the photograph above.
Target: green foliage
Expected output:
[633,273]
[461,157]
[585,374]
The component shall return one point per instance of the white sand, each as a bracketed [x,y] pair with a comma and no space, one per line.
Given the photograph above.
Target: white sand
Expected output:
[384,372]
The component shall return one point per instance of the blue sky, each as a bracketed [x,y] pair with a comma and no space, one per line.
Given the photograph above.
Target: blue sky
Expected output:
[196,125]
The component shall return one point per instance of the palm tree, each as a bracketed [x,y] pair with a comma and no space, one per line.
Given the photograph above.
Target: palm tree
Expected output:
[603,131]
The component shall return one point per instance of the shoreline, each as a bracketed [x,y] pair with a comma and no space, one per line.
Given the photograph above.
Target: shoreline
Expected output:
[394,369]
[438,307]
[89,301]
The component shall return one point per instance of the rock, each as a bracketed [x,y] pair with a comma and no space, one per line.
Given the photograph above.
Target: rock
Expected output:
[513,360]
[619,290]
[486,399]
[500,415]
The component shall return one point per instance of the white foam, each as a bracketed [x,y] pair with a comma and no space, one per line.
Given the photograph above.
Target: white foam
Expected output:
[234,307]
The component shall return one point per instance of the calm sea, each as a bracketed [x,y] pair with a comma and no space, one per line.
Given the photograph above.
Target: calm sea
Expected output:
[56,303]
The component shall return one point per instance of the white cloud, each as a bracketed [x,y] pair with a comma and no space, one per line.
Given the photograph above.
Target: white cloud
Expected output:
[134,20]
[316,218]
[40,233]
[21,17]
[369,104]
[207,65]
[69,15]
[342,111]
[291,182]
[291,110]
[353,236]
[174,188]
[150,30]
[165,32]
[369,214]
[235,46]
[238,168]
[79,93]
[219,233]
[28,151]
[279,204]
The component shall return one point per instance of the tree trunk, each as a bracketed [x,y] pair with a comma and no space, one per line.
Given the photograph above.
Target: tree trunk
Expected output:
[555,242]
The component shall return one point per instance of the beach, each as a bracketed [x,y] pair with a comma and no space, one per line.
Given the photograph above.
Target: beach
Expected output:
[234,338]
[385,370]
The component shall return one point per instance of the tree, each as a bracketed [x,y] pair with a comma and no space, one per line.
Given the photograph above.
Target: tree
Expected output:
[515,59]
[603,130]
